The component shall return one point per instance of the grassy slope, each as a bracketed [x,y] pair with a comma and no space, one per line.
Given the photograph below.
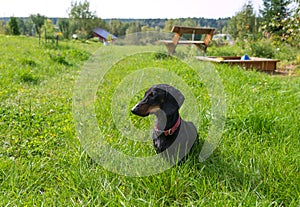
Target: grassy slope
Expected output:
[41,161]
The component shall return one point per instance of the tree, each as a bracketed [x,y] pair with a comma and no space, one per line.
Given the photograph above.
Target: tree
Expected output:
[170,23]
[189,22]
[48,30]
[38,21]
[291,26]
[81,10]
[25,26]
[281,20]
[243,25]
[133,28]
[14,27]
[2,27]
[22,26]
[297,9]
[83,21]
[118,28]
[29,25]
[64,27]
[274,12]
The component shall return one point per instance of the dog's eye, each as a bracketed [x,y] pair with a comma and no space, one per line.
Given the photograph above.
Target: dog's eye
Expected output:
[151,94]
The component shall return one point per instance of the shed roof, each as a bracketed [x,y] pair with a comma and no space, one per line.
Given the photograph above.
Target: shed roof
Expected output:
[103,33]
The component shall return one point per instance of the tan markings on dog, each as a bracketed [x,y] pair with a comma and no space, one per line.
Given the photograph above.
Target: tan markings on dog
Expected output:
[153,109]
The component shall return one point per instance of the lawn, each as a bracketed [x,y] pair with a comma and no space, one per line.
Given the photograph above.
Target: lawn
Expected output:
[42,162]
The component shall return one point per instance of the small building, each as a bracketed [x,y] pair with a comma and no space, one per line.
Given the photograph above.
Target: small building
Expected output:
[103,35]
[223,39]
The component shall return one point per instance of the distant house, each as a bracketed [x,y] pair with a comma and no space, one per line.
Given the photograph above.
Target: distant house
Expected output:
[103,35]
[223,39]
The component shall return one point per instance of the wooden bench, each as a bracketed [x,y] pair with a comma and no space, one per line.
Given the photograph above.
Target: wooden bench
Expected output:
[179,31]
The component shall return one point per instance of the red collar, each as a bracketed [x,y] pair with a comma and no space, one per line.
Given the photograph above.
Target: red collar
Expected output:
[169,131]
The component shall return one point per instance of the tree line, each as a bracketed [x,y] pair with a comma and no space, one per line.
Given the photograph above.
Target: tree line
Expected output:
[118,27]
[279,19]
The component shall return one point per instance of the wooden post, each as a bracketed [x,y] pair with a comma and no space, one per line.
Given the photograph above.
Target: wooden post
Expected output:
[174,43]
[193,35]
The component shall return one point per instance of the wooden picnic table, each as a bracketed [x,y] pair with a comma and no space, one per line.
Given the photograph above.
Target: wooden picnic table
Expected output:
[180,30]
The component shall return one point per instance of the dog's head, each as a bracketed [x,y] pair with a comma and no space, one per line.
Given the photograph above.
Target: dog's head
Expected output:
[159,97]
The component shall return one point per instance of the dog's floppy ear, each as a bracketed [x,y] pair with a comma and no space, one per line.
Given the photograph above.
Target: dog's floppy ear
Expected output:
[176,94]
[174,100]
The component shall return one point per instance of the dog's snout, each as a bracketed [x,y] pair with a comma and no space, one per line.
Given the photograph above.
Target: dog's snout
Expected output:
[140,109]
[135,109]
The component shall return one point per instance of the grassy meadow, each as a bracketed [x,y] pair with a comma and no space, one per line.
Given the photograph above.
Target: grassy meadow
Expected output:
[42,162]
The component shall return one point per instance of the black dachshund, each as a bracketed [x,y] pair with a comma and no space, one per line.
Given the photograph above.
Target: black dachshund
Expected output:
[172,136]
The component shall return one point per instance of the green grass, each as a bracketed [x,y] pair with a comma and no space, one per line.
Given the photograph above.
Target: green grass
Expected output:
[43,164]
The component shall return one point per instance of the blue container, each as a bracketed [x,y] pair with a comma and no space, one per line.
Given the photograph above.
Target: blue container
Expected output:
[245,57]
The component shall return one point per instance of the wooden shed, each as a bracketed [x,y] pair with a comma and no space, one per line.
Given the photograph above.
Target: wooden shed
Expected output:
[103,35]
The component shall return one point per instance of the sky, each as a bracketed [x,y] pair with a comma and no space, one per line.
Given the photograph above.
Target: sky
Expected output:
[136,9]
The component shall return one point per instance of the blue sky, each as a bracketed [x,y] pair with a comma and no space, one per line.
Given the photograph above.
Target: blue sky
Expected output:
[129,8]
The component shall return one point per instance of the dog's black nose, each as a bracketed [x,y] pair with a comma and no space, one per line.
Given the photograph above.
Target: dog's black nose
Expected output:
[135,109]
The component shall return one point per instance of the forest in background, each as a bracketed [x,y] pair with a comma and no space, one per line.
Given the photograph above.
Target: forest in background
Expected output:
[119,26]
[278,21]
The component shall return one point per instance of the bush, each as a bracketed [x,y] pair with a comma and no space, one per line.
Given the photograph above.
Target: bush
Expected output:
[28,62]
[161,56]
[286,52]
[262,49]
[227,50]
[59,58]
[77,54]
[94,39]
[29,77]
